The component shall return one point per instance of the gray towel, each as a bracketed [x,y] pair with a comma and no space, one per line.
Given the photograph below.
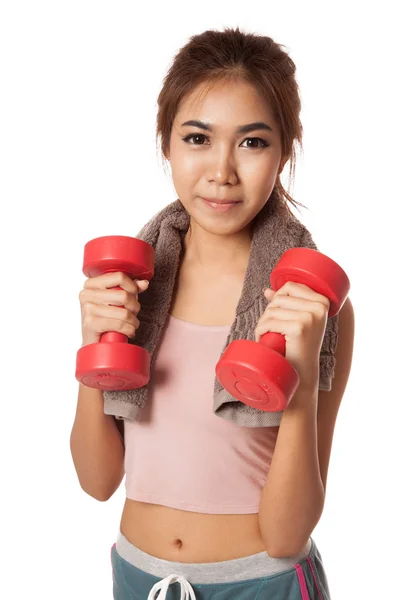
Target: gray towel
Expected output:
[275,230]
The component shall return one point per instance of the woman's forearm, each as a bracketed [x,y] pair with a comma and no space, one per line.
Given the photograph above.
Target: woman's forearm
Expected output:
[293,496]
[96,446]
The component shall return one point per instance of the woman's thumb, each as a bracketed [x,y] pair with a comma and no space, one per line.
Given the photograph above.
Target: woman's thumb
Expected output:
[142,284]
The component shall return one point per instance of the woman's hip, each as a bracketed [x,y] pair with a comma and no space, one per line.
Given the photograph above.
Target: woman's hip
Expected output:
[139,576]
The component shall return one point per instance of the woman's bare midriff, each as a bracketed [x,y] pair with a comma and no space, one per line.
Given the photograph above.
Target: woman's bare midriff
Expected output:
[183,536]
[179,535]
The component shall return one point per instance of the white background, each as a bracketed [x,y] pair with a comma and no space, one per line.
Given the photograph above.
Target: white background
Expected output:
[79,82]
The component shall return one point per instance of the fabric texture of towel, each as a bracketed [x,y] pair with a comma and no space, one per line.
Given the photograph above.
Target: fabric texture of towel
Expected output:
[275,229]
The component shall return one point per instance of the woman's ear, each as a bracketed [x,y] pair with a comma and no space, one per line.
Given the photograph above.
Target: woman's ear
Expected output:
[283,162]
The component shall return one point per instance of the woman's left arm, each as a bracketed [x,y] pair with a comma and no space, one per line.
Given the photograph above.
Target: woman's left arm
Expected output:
[293,496]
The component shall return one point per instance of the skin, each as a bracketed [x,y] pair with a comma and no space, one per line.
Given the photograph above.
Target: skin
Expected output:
[210,281]
[226,165]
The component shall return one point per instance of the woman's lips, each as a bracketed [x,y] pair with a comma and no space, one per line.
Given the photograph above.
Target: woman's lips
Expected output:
[219,207]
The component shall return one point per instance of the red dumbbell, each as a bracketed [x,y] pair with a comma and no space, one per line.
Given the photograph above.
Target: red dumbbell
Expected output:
[257,373]
[113,363]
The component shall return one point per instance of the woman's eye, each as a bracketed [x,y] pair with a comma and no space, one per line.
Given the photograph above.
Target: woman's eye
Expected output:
[194,135]
[264,144]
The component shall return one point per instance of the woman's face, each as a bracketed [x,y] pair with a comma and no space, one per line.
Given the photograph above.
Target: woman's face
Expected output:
[222,163]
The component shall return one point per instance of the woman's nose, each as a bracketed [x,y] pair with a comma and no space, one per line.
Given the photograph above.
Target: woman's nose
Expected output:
[222,168]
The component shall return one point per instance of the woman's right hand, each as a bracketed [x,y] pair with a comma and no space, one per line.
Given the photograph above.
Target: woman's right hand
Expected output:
[98,315]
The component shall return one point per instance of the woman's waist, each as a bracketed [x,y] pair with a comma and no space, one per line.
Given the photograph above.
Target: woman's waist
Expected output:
[185,536]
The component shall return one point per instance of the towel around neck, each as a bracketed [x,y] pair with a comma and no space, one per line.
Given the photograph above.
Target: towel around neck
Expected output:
[275,230]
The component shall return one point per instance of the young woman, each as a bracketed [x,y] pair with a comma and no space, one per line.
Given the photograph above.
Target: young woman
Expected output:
[176,534]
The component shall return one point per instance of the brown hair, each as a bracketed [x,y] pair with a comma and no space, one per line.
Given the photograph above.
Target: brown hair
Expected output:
[215,57]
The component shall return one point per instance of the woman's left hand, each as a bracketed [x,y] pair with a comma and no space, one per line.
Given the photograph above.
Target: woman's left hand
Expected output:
[300,314]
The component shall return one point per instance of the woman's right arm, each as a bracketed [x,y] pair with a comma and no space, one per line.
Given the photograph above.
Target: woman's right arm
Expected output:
[96,446]
[96,440]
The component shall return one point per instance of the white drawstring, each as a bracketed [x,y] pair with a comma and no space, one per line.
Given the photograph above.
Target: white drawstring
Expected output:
[162,586]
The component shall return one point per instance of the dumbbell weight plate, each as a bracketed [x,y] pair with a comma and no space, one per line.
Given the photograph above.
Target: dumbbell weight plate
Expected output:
[113,366]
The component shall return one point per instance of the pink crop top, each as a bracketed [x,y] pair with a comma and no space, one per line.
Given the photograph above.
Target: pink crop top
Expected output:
[180,454]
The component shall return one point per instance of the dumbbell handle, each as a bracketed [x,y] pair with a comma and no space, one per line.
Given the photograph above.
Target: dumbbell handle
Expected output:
[114,336]
[275,341]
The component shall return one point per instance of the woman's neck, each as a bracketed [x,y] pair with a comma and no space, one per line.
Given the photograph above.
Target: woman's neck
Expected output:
[215,253]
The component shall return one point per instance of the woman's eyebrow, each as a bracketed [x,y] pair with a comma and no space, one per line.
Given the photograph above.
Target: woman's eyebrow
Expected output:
[242,129]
